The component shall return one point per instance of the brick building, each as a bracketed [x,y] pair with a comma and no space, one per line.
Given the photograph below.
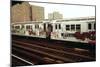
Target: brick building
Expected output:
[37,12]
[21,12]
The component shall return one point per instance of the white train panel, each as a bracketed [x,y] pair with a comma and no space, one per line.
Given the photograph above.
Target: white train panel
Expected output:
[58,30]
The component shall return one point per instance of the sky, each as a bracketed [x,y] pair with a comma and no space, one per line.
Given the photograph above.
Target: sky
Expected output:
[68,11]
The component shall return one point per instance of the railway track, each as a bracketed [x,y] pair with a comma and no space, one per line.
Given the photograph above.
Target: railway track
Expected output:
[18,61]
[31,57]
[57,43]
[45,54]
[59,46]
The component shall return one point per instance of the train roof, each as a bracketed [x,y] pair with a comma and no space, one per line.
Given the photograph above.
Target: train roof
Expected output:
[78,19]
[66,21]
[30,22]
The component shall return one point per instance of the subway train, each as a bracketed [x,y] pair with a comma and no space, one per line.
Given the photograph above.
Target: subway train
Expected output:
[81,29]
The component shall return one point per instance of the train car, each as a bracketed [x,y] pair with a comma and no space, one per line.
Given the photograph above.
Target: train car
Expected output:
[15,28]
[75,30]
[30,28]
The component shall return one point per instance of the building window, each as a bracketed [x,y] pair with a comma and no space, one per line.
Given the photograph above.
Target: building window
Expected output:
[89,26]
[78,27]
[72,27]
[67,27]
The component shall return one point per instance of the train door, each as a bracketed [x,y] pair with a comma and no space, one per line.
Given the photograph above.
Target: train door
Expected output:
[22,29]
[48,28]
[44,27]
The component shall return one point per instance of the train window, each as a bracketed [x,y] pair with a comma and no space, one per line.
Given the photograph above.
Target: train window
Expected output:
[22,27]
[31,27]
[17,27]
[55,26]
[67,27]
[50,27]
[62,34]
[78,27]
[59,26]
[44,27]
[72,27]
[13,27]
[94,26]
[36,26]
[27,27]
[89,26]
